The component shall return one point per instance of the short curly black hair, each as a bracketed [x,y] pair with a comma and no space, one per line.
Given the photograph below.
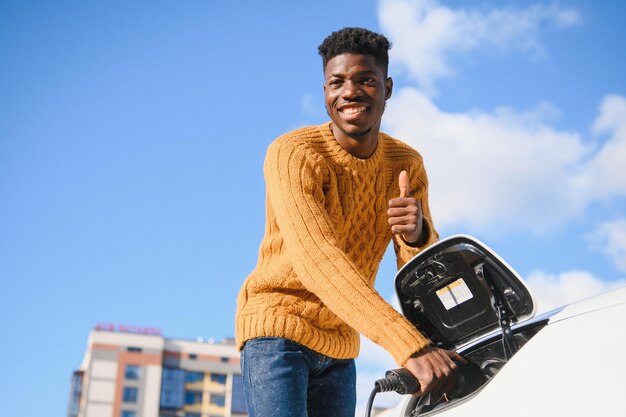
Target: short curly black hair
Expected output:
[354,40]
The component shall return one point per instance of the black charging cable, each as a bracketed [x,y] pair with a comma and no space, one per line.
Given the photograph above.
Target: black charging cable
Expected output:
[399,380]
[370,401]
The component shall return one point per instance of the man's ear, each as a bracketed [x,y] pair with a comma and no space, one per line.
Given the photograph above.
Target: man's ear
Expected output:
[388,87]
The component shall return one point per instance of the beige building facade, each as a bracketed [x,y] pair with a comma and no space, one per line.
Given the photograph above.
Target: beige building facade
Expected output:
[129,371]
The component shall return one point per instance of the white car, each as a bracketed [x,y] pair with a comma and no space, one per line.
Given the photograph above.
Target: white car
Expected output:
[568,362]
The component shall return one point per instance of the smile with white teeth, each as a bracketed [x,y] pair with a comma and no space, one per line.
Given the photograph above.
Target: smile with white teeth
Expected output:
[353,110]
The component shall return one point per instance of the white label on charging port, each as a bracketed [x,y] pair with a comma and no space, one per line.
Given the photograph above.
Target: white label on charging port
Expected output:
[454,294]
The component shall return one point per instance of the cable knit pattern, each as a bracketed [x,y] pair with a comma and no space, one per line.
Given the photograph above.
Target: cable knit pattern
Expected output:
[326,233]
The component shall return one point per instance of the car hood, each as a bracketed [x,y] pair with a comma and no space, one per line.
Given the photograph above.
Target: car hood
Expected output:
[458,290]
[591,304]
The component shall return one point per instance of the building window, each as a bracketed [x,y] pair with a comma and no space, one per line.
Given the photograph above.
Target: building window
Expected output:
[218,399]
[75,394]
[127,413]
[129,395]
[131,372]
[134,349]
[225,359]
[172,388]
[193,356]
[219,378]
[193,397]
[194,376]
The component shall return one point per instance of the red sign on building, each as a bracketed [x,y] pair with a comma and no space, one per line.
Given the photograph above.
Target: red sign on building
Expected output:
[125,328]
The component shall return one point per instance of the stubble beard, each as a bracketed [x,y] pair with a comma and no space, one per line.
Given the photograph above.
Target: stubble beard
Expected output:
[355,135]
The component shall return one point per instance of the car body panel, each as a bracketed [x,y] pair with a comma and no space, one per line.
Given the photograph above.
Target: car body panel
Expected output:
[572,367]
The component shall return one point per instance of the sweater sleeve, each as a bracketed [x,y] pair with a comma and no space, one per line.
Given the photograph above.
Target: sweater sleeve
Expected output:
[295,192]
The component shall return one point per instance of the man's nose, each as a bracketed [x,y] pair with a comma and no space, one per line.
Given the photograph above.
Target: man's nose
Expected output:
[351,90]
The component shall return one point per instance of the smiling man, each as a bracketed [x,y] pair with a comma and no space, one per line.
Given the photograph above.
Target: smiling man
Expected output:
[337,194]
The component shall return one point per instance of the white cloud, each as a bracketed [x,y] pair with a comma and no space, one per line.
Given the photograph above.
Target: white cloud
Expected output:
[427,34]
[497,170]
[500,170]
[610,238]
[605,174]
[503,171]
[553,291]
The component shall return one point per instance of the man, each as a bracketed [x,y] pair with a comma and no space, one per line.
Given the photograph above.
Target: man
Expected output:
[336,195]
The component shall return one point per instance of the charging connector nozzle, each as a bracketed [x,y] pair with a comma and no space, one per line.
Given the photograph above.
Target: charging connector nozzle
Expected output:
[399,380]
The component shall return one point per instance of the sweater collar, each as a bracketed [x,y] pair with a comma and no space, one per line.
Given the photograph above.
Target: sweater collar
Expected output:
[346,157]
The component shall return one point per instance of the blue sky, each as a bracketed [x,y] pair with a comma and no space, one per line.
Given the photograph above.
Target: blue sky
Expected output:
[132,138]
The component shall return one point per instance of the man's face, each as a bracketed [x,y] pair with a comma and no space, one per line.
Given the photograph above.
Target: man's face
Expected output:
[355,91]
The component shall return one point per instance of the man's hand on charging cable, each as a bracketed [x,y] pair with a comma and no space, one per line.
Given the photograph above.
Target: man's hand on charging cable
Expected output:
[405,212]
[435,369]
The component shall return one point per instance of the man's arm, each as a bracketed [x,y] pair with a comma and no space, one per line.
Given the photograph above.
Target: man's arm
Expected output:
[434,368]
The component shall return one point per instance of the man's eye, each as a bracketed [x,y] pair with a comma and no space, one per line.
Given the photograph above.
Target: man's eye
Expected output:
[369,81]
[335,82]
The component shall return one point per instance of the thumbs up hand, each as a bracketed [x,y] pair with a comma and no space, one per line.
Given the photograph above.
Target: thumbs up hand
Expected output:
[405,212]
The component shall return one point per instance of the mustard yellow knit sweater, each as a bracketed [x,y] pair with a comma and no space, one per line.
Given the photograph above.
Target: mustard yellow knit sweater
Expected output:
[326,232]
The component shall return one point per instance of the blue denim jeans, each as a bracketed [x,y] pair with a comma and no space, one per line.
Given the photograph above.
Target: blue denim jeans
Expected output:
[285,379]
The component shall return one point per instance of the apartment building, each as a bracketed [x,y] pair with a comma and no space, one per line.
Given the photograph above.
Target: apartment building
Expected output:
[131,371]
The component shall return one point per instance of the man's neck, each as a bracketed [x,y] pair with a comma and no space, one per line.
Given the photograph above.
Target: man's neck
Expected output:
[360,147]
